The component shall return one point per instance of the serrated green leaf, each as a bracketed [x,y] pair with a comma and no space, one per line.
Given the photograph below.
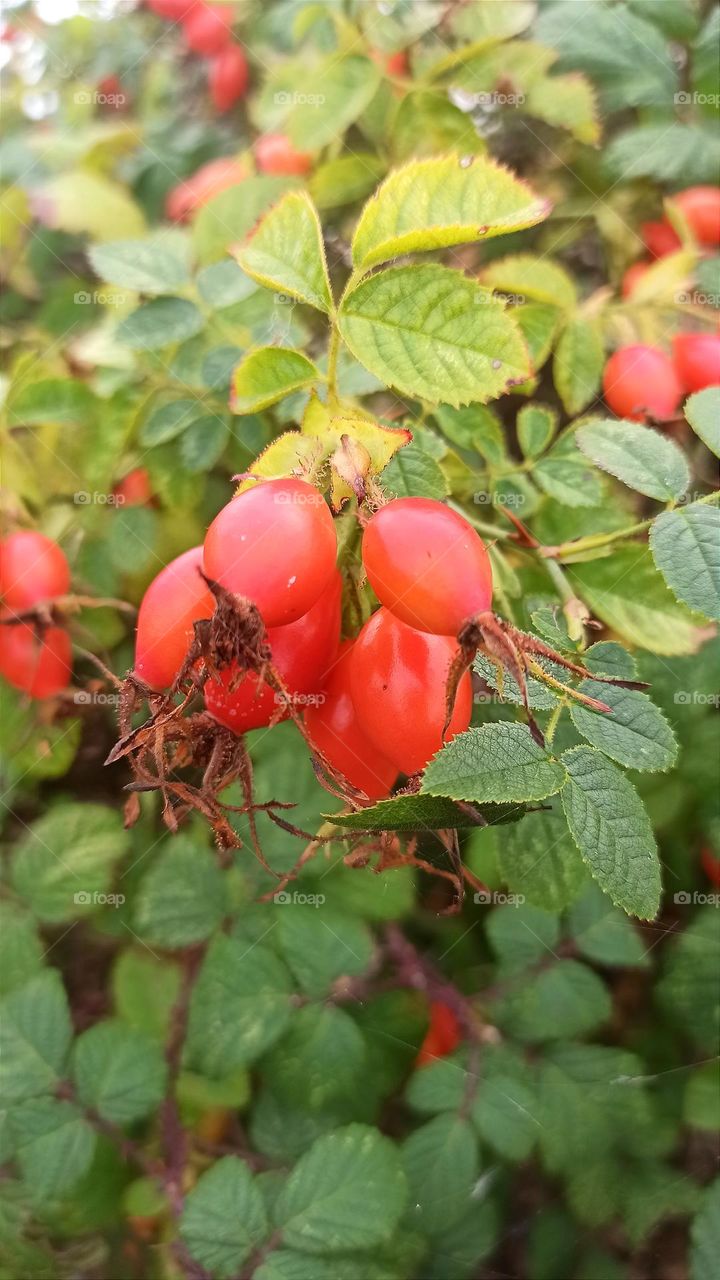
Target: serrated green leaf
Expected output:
[578,364]
[441,1163]
[35,1034]
[496,763]
[540,696]
[565,475]
[413,473]
[567,102]
[703,413]
[264,376]
[536,426]
[143,265]
[539,860]
[182,897]
[286,252]
[52,400]
[612,831]
[321,945]
[528,277]
[65,862]
[685,544]
[434,333]
[54,1145]
[603,934]
[229,216]
[119,1072]
[628,594]
[608,658]
[688,990]
[167,421]
[423,812]
[538,324]
[640,457]
[240,1006]
[319,1210]
[341,89]
[437,203]
[475,428]
[345,179]
[566,1000]
[427,123]
[319,1061]
[701,1099]
[635,734]
[82,201]
[159,323]
[224,1218]
[674,154]
[504,1114]
[21,951]
[203,442]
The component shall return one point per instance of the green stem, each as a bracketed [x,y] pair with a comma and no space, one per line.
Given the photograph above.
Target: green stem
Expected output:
[606,539]
[553,722]
[482,526]
[333,353]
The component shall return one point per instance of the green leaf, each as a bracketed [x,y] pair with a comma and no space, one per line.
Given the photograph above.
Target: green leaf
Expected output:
[504,1115]
[182,898]
[521,935]
[345,179]
[566,102]
[628,594]
[264,376]
[203,442]
[168,421]
[527,277]
[641,458]
[340,88]
[680,154]
[228,217]
[158,323]
[321,945]
[538,859]
[286,252]
[578,364]
[147,266]
[320,1059]
[428,124]
[81,201]
[65,862]
[422,812]
[319,1209]
[240,1006]
[21,951]
[686,549]
[536,426]
[35,1034]
[603,934]
[612,831]
[497,762]
[608,658]
[222,284]
[437,203]
[540,696]
[565,475]
[144,991]
[441,1164]
[539,324]
[703,413]
[224,1218]
[635,734]
[566,1000]
[54,1145]
[413,473]
[701,1100]
[475,428]
[52,400]
[119,1072]
[434,333]
[688,990]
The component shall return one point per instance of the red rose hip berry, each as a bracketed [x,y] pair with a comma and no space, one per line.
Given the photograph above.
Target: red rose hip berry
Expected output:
[700,206]
[275,153]
[228,77]
[301,652]
[32,568]
[38,663]
[696,357]
[660,237]
[335,731]
[640,382]
[427,565]
[275,545]
[175,599]
[207,29]
[398,678]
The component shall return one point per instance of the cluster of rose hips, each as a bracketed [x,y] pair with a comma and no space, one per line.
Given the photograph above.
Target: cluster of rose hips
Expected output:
[373,707]
[35,654]
[642,381]
[274,154]
[207,31]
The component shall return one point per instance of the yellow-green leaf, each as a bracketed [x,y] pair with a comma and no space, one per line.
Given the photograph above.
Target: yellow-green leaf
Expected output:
[286,252]
[268,374]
